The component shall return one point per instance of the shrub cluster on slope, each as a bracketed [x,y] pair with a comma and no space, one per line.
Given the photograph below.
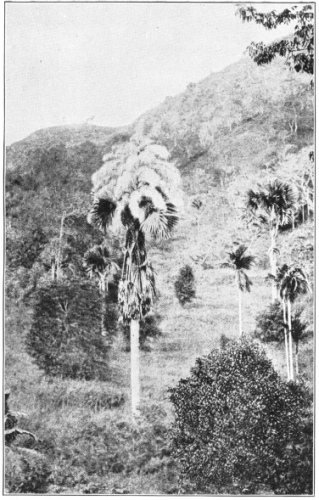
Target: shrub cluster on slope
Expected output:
[65,337]
[240,428]
[185,285]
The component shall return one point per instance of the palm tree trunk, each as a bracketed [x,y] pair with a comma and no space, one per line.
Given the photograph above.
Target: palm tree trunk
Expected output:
[290,341]
[135,367]
[286,340]
[297,360]
[103,308]
[240,313]
[273,264]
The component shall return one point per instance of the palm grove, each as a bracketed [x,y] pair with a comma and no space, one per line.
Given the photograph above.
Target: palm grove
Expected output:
[239,427]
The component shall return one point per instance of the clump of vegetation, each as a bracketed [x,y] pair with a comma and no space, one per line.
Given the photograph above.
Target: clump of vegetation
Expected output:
[185,289]
[269,324]
[27,471]
[65,338]
[239,428]
[102,454]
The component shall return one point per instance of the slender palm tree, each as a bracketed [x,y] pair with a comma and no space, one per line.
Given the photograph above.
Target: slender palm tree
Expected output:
[139,203]
[294,283]
[239,262]
[277,280]
[271,206]
[300,331]
[99,262]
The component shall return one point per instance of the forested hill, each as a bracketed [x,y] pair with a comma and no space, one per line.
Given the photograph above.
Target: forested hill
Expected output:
[225,133]
[241,120]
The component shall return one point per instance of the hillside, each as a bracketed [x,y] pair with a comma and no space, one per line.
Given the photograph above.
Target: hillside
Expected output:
[226,133]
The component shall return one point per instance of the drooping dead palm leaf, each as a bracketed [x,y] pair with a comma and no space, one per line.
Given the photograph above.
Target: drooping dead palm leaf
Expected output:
[102,212]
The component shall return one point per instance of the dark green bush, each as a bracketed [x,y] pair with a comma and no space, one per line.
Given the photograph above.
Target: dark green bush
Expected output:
[65,338]
[185,285]
[239,428]
[270,324]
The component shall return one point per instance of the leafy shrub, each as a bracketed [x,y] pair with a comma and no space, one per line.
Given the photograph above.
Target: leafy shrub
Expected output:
[185,285]
[239,428]
[26,471]
[65,338]
[269,324]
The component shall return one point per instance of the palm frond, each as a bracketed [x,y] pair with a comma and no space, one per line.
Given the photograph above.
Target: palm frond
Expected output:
[294,283]
[227,265]
[159,223]
[102,212]
[99,259]
[244,282]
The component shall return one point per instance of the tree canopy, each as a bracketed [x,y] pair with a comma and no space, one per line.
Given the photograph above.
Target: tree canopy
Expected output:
[298,49]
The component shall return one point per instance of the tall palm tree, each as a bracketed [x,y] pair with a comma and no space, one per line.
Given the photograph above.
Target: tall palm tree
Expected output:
[139,203]
[99,261]
[300,331]
[277,280]
[239,262]
[271,206]
[294,283]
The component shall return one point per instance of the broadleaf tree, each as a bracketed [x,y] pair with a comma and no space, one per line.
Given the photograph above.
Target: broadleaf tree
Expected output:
[298,49]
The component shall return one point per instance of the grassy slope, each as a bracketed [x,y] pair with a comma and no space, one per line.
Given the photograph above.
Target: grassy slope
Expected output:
[61,412]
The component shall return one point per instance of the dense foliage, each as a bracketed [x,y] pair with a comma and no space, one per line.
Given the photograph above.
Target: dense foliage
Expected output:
[269,323]
[240,428]
[184,285]
[65,337]
[298,49]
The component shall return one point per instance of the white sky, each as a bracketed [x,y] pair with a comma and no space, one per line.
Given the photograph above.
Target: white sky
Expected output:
[67,62]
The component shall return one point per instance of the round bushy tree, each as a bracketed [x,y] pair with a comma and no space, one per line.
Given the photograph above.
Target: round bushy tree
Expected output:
[269,324]
[239,428]
[65,337]
[185,285]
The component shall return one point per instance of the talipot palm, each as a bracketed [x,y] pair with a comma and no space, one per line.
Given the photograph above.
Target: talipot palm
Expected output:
[239,263]
[294,284]
[137,198]
[99,262]
[271,206]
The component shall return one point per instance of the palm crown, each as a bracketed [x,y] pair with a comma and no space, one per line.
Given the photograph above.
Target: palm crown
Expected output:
[100,260]
[273,203]
[294,283]
[134,191]
[240,262]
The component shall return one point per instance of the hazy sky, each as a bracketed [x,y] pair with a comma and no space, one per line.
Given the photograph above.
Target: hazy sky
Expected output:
[69,62]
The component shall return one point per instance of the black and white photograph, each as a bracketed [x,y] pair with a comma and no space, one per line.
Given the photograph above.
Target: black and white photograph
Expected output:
[158,275]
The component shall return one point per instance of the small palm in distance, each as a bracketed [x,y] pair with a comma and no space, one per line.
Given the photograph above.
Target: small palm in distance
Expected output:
[239,262]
